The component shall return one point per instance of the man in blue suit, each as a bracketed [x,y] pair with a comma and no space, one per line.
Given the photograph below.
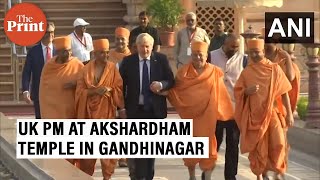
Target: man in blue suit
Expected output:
[145,75]
[36,57]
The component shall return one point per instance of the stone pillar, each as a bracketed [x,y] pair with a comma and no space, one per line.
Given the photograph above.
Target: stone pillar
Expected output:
[5,6]
[313,109]
[134,7]
[239,26]
[189,5]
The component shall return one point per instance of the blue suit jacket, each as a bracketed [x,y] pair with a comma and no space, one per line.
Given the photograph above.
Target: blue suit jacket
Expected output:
[32,69]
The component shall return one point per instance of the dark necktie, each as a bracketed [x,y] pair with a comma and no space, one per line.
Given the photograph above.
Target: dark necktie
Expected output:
[146,86]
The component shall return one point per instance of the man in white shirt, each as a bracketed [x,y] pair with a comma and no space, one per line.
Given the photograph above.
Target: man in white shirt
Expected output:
[81,42]
[37,56]
[232,62]
[182,49]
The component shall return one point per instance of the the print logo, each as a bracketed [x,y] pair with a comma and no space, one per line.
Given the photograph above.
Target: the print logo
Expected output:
[292,27]
[25,24]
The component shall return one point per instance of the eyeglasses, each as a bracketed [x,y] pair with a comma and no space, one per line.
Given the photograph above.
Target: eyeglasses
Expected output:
[49,32]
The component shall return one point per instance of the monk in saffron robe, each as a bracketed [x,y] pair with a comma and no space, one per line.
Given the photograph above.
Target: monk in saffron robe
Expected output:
[291,69]
[121,50]
[257,111]
[58,82]
[116,56]
[98,95]
[200,94]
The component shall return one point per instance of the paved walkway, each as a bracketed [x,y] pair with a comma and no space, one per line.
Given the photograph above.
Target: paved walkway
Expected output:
[173,169]
[5,174]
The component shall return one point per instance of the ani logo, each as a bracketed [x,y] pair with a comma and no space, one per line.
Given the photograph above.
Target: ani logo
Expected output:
[290,27]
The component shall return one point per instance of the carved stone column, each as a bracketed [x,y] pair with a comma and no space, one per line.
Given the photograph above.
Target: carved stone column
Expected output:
[134,7]
[313,110]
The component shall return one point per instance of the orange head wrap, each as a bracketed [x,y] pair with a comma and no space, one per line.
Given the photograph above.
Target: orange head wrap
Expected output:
[199,46]
[255,44]
[62,43]
[101,44]
[120,31]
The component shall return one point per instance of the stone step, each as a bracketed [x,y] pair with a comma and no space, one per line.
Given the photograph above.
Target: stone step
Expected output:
[20,107]
[5,49]
[5,67]
[93,29]
[78,4]
[78,12]
[6,95]
[2,33]
[3,39]
[6,86]
[2,14]
[110,37]
[107,1]
[68,21]
[5,58]
[6,77]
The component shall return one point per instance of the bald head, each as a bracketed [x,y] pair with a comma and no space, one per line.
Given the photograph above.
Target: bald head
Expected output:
[270,49]
[231,45]
[231,38]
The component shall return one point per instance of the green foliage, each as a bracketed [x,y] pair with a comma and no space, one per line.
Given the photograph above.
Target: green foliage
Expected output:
[165,13]
[302,107]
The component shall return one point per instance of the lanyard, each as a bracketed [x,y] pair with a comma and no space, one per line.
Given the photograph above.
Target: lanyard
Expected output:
[84,44]
[192,35]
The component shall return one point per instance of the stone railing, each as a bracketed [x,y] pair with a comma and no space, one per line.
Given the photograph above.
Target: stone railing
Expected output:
[33,169]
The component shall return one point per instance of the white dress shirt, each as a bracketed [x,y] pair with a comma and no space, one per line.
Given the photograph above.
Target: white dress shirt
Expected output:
[78,49]
[232,68]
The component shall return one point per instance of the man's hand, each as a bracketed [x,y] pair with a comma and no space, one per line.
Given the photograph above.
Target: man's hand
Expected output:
[26,97]
[289,120]
[251,90]
[92,92]
[155,86]
[70,85]
[109,89]
[122,113]
[284,54]
[101,90]
[163,93]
